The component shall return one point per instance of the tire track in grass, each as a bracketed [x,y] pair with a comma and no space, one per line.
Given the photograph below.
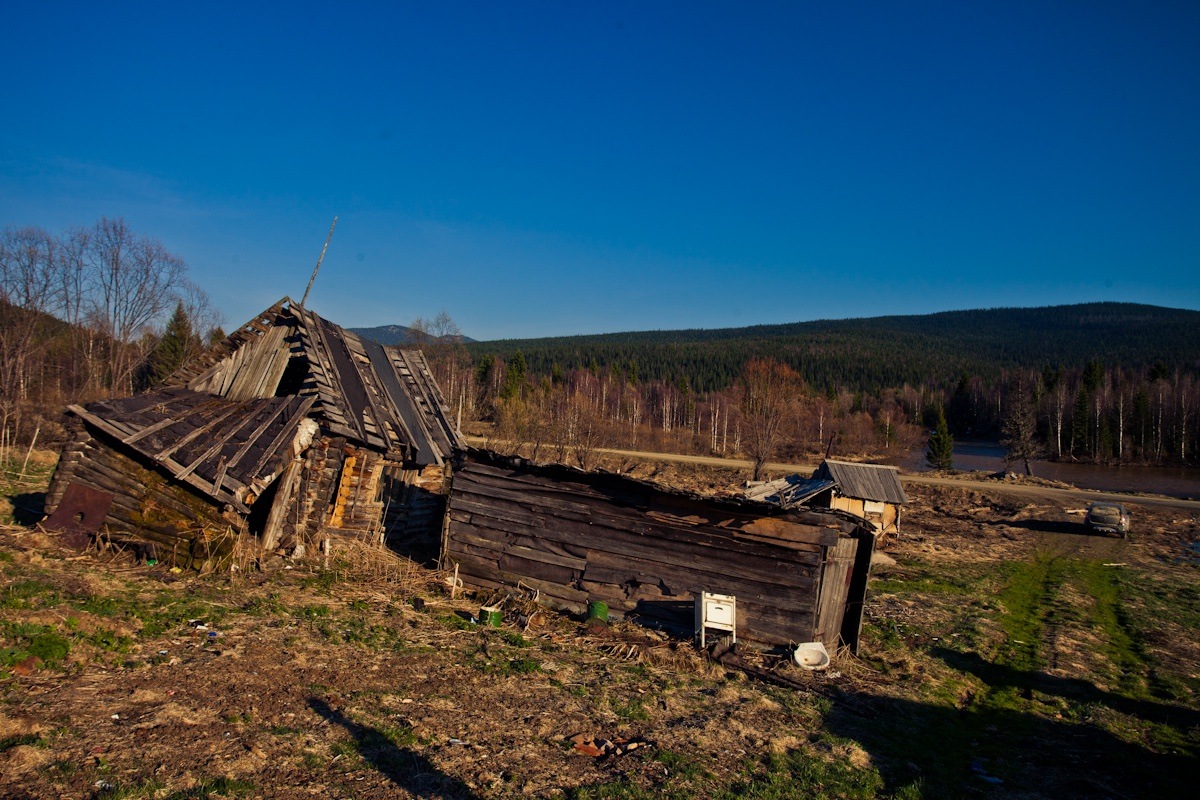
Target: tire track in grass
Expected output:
[1055,695]
[1028,601]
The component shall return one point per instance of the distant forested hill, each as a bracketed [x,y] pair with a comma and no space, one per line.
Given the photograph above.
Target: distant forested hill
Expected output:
[870,354]
[394,335]
[390,335]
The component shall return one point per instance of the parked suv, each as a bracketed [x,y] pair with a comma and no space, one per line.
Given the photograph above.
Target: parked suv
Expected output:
[1108,518]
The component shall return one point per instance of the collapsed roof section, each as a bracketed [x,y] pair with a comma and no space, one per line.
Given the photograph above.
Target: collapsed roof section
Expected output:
[381,397]
[789,491]
[230,450]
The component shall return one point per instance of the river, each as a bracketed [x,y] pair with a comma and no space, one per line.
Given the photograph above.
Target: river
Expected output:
[1181,482]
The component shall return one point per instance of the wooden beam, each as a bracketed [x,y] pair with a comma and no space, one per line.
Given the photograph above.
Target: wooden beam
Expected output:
[279,508]
[287,430]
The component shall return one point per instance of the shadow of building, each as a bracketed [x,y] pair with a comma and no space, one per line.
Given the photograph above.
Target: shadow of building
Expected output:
[401,765]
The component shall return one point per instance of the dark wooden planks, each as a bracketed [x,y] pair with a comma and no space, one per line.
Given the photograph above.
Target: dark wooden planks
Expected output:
[640,550]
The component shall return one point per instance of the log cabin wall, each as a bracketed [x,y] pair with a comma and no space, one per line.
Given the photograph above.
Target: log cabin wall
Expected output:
[68,460]
[414,508]
[163,519]
[357,509]
[313,496]
[578,537]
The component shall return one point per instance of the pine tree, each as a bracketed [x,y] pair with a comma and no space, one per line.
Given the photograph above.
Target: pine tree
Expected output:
[514,377]
[940,454]
[177,343]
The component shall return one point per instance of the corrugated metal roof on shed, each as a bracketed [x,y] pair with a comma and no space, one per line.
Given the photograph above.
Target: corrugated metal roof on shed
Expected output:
[864,481]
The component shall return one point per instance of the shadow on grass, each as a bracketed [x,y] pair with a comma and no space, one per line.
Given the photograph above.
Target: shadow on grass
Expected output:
[989,747]
[1051,526]
[28,508]
[1080,691]
[407,769]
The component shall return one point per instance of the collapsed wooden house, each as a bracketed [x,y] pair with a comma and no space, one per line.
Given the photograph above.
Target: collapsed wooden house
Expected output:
[294,430]
[577,537]
[290,430]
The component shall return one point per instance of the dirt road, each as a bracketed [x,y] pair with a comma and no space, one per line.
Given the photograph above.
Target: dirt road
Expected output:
[988,486]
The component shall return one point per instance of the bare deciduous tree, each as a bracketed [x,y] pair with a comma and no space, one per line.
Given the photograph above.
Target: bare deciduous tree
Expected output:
[28,295]
[1020,425]
[133,283]
[769,391]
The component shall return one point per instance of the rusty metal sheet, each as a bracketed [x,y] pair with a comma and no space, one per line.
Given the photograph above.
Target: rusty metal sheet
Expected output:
[80,514]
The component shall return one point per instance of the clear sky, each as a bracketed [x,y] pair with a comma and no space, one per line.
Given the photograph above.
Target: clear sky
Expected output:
[539,169]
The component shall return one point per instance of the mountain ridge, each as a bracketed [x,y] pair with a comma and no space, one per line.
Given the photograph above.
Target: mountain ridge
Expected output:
[875,352]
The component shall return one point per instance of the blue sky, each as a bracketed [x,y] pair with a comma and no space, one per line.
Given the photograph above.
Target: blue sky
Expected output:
[568,167]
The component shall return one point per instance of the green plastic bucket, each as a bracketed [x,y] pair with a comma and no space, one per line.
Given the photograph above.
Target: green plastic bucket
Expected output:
[598,610]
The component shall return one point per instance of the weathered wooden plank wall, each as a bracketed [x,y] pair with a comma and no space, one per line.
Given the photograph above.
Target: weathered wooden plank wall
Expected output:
[170,522]
[581,536]
[834,586]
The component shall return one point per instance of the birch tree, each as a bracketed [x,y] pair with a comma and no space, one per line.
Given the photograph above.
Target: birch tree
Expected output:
[28,294]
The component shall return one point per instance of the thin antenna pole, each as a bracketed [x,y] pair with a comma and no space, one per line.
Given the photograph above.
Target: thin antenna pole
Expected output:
[321,258]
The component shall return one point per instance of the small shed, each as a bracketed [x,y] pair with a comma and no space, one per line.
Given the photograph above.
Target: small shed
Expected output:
[870,491]
[290,430]
[576,537]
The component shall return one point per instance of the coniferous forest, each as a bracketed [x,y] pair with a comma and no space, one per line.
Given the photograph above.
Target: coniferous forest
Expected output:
[1098,382]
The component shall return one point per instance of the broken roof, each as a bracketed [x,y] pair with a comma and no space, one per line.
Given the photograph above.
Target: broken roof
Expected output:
[864,481]
[230,450]
[790,490]
[383,397]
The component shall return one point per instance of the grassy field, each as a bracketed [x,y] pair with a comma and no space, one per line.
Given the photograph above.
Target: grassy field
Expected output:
[1006,654]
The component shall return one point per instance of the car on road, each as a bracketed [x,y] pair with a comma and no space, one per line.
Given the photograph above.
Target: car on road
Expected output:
[1108,518]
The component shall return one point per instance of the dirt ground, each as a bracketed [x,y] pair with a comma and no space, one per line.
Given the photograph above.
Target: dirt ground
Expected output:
[1007,653]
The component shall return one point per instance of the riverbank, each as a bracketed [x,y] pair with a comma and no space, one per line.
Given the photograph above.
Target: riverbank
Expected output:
[1181,482]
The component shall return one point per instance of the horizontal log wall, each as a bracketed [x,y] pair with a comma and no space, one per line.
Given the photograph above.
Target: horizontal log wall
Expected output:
[414,504]
[641,551]
[168,521]
[315,492]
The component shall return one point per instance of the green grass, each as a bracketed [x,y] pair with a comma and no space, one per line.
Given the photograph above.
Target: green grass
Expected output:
[135,791]
[524,666]
[18,740]
[455,622]
[27,594]
[981,696]
[153,788]
[98,605]
[28,639]
[632,710]
[218,787]
[680,765]
[795,775]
